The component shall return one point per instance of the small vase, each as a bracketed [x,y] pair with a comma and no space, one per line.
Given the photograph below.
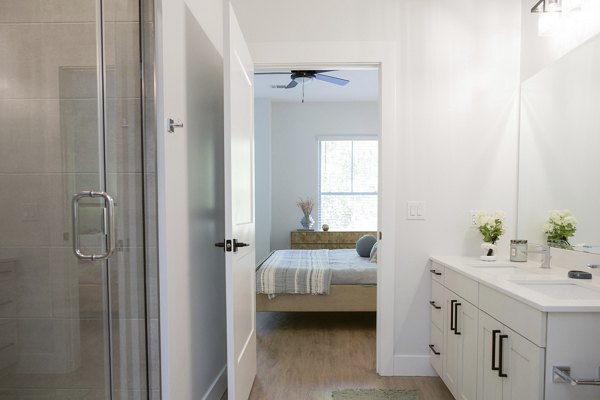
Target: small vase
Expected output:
[307,221]
[489,252]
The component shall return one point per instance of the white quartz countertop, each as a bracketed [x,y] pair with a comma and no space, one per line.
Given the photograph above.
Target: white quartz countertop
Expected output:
[548,290]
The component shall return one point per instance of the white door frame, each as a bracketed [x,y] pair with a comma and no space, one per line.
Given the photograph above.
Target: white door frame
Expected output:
[304,55]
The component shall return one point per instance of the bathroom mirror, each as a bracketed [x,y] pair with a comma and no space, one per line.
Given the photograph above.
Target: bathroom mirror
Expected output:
[559,154]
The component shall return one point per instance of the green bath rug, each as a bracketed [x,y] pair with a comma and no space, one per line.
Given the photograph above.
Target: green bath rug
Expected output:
[374,394]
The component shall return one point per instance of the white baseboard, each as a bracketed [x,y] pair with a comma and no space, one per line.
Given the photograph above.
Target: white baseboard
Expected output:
[413,366]
[218,387]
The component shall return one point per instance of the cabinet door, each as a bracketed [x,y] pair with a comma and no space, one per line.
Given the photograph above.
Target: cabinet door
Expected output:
[489,382]
[523,363]
[451,344]
[460,347]
[467,325]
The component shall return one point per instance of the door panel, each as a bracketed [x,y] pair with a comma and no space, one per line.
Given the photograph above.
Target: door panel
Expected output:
[468,322]
[489,383]
[525,368]
[239,209]
[451,345]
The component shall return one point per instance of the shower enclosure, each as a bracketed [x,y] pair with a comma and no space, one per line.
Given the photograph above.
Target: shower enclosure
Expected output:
[78,275]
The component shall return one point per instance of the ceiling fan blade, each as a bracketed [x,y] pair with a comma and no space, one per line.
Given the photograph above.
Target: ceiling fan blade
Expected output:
[332,79]
[292,84]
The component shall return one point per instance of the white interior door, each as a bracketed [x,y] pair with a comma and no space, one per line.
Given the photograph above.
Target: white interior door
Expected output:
[239,209]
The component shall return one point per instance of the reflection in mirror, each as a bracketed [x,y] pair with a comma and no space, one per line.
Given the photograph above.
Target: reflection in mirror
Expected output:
[559,157]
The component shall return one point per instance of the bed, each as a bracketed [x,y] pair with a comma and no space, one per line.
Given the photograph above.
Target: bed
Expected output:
[353,284]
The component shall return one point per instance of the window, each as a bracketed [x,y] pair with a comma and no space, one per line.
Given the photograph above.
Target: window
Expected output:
[348,184]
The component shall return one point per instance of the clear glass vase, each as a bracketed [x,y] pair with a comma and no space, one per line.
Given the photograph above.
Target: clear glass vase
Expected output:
[307,221]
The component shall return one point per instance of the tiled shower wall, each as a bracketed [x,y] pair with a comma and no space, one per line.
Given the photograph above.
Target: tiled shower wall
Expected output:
[53,308]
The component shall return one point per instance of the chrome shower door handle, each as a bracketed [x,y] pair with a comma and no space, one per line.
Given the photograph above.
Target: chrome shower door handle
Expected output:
[109,228]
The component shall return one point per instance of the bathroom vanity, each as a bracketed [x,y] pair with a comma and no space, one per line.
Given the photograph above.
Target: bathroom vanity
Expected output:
[499,330]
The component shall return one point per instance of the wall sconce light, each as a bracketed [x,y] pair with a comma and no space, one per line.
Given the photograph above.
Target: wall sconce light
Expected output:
[544,6]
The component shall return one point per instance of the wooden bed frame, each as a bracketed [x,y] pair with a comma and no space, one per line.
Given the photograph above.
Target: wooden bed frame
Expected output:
[345,298]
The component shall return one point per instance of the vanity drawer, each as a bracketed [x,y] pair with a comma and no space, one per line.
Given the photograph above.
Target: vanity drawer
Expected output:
[437,304]
[437,272]
[436,346]
[465,287]
[525,320]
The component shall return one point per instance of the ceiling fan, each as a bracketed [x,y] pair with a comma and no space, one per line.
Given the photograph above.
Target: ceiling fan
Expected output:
[306,76]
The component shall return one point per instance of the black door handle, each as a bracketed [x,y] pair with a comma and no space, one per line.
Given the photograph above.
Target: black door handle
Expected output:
[434,305]
[237,244]
[456,305]
[437,353]
[226,245]
[500,373]
[433,271]
[494,333]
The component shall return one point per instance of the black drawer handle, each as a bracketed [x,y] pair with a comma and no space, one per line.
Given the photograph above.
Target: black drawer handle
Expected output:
[452,326]
[494,333]
[456,305]
[437,353]
[500,373]
[433,271]
[435,305]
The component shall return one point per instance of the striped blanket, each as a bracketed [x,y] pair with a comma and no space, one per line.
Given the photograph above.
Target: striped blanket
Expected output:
[295,272]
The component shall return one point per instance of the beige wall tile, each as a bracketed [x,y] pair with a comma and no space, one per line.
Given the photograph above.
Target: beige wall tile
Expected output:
[31,54]
[29,136]
[19,11]
[124,133]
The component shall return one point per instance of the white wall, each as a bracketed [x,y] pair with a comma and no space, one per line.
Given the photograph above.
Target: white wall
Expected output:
[547,37]
[190,203]
[295,128]
[457,116]
[262,168]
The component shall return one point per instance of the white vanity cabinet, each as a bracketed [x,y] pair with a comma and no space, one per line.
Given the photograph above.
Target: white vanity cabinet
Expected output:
[454,332]
[472,364]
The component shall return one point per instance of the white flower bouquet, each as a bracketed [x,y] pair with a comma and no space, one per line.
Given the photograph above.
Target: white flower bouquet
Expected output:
[561,225]
[490,224]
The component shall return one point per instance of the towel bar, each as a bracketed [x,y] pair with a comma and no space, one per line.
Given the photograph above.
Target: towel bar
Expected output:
[563,375]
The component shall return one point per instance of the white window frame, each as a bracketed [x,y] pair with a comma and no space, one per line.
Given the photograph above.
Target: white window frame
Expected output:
[342,138]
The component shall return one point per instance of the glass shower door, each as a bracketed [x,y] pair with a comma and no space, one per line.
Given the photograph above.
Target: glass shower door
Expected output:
[70,122]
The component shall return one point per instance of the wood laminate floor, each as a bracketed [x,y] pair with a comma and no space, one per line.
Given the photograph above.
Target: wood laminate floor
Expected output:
[306,356]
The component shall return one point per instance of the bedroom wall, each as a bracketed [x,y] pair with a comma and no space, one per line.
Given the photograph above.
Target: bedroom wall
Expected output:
[262,165]
[295,128]
[457,89]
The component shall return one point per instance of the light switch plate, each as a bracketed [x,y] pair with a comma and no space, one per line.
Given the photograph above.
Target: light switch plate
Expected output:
[415,210]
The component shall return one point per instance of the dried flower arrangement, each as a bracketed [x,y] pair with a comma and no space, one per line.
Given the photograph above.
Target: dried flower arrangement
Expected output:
[306,205]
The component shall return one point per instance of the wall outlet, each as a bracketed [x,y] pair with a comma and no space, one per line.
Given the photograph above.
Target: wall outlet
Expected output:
[474,217]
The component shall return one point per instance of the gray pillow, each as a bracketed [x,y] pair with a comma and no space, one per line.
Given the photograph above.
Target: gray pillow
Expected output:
[364,245]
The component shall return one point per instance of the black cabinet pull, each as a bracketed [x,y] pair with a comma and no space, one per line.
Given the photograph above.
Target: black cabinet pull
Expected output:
[433,271]
[494,333]
[437,353]
[456,305]
[500,373]
[435,305]
[452,327]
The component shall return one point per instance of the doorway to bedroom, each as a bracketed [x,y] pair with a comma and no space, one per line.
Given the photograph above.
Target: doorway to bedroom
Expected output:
[317,145]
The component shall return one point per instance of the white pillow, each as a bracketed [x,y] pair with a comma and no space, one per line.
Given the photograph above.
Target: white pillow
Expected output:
[373,254]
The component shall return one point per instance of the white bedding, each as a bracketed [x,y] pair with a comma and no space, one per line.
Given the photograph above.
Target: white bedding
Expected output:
[351,269]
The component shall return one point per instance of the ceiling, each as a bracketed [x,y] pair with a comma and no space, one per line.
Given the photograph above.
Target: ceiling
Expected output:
[363,86]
